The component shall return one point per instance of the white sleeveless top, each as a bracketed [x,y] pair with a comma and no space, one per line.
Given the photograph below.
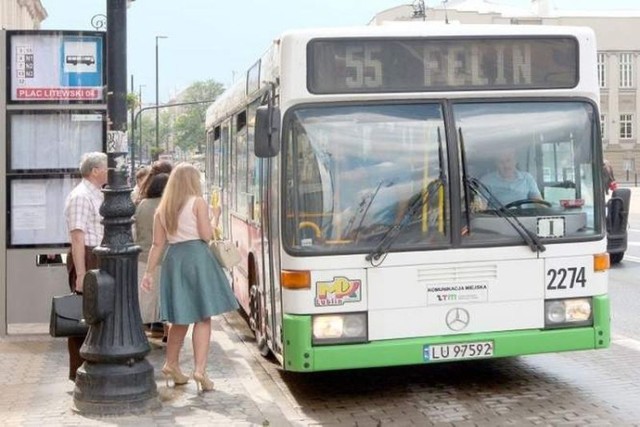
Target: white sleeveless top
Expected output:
[187,224]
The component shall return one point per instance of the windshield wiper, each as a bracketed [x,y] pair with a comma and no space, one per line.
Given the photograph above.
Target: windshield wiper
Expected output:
[534,242]
[391,235]
[433,186]
[467,198]
[363,208]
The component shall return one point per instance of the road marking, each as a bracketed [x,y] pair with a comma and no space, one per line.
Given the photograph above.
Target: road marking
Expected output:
[633,230]
[631,258]
[633,243]
[626,342]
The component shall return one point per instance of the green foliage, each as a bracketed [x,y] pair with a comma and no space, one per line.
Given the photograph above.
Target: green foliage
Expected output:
[155,152]
[180,126]
[188,129]
[133,101]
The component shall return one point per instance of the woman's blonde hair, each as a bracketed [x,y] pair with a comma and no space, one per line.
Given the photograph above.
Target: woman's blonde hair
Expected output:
[183,183]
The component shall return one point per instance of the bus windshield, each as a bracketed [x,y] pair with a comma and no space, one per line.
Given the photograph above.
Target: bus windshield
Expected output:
[361,178]
[532,160]
[352,172]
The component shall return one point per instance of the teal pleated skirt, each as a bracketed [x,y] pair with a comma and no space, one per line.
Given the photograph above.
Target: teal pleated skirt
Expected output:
[193,286]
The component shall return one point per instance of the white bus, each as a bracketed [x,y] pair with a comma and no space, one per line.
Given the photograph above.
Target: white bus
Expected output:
[414,194]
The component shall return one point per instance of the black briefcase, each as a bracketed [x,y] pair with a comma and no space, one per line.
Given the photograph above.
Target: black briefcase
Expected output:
[66,317]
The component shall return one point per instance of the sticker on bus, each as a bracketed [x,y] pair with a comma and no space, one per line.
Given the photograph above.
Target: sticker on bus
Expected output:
[338,291]
[440,294]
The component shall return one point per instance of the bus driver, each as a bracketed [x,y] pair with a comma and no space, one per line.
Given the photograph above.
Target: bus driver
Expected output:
[507,183]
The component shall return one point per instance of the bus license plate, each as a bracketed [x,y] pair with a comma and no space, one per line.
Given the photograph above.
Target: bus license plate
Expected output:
[458,351]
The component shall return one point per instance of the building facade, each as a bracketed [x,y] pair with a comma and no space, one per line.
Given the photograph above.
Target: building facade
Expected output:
[618,61]
[21,14]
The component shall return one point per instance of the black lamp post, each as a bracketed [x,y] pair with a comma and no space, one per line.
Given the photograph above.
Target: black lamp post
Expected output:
[133,124]
[158,95]
[133,137]
[116,378]
[99,22]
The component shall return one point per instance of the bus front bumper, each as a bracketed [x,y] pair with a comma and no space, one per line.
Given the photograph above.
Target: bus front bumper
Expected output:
[301,356]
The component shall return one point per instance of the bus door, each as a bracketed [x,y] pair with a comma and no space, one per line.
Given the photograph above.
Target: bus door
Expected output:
[271,297]
[268,174]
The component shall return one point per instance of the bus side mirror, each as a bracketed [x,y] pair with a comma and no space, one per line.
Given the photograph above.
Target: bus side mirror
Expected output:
[267,138]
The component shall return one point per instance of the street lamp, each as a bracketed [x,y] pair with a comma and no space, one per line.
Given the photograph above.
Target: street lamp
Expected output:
[158,96]
[115,377]
[133,123]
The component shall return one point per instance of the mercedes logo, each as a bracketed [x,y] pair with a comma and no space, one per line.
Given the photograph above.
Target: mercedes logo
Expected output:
[457,319]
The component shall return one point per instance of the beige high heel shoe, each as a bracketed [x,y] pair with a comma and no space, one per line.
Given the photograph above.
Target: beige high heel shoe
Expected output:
[202,381]
[174,373]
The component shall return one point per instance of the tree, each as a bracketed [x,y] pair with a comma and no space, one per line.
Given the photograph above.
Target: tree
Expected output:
[133,101]
[145,135]
[183,126]
[188,128]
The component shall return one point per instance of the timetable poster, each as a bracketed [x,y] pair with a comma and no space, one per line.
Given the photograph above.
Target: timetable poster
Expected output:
[57,67]
[36,210]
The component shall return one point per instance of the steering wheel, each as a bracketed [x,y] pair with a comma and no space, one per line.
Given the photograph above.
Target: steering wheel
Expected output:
[516,204]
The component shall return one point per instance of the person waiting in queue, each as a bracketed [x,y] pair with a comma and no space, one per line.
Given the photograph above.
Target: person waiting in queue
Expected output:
[193,285]
[141,175]
[82,214]
[145,211]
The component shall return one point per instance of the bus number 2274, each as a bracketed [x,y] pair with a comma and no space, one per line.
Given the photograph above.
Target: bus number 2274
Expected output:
[566,278]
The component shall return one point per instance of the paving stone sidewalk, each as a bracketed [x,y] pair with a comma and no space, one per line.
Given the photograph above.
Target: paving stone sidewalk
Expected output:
[36,391]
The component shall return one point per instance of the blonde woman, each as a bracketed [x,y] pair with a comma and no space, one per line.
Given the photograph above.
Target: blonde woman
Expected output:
[193,285]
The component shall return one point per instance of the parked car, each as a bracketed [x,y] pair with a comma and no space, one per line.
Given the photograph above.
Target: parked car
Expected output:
[617,220]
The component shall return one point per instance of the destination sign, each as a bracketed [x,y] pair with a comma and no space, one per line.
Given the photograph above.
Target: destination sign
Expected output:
[438,64]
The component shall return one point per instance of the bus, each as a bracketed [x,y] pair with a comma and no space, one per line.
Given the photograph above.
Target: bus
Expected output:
[357,173]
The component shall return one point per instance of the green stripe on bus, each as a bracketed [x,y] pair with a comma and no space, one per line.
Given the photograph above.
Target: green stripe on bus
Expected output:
[301,356]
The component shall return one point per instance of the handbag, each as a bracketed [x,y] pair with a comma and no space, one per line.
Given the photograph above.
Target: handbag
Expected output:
[66,317]
[225,253]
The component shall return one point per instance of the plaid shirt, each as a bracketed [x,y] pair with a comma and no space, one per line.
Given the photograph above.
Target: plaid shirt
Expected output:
[82,212]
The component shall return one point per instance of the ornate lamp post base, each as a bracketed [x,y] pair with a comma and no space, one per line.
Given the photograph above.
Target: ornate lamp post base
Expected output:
[115,378]
[115,389]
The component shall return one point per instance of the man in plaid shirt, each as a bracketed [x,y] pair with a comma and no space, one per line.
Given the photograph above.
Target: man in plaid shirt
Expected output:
[82,213]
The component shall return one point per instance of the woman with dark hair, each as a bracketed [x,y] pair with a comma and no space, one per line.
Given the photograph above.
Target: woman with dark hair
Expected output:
[146,209]
[158,167]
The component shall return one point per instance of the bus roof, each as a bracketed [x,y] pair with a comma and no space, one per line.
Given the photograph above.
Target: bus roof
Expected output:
[414,29]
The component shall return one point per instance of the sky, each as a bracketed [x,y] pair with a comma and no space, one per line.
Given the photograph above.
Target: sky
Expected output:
[219,39]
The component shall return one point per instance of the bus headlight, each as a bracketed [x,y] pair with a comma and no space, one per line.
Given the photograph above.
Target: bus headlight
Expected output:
[339,328]
[567,312]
